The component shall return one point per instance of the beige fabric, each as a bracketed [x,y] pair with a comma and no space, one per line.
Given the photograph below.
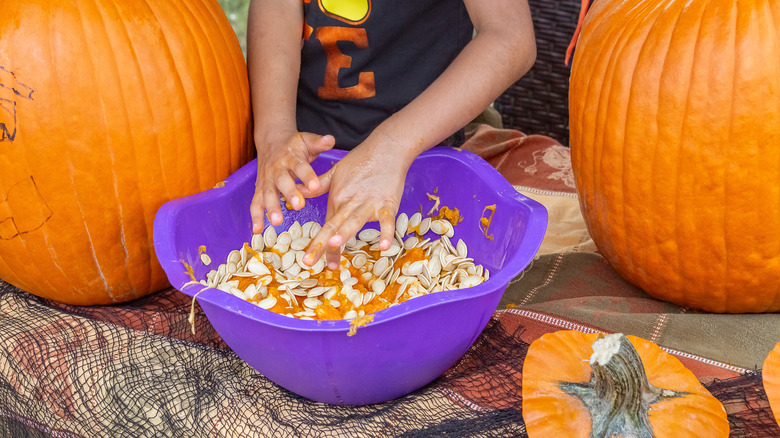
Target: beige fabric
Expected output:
[566,229]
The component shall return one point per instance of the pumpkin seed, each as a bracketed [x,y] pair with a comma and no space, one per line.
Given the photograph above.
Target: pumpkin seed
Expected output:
[402,224]
[411,242]
[369,235]
[425,225]
[316,291]
[444,268]
[257,242]
[257,267]
[414,220]
[300,243]
[269,237]
[359,260]
[267,303]
[311,303]
[393,250]
[378,286]
[295,231]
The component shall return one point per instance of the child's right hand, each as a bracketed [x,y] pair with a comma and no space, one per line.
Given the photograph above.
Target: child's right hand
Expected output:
[279,162]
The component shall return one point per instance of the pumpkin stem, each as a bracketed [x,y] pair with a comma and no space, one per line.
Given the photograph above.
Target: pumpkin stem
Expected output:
[618,395]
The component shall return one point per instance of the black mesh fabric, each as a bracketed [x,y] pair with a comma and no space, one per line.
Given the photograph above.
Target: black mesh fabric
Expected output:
[746,404]
[136,370]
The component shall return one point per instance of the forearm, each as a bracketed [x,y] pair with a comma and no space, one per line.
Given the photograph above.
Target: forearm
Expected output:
[500,53]
[273,55]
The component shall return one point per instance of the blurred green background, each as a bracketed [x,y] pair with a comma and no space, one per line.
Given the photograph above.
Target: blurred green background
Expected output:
[236,12]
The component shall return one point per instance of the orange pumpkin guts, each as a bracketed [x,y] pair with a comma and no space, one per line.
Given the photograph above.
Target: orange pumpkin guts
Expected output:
[675,125]
[582,385]
[108,109]
[771,378]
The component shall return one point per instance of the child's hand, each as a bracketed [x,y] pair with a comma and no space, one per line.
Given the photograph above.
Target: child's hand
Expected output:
[365,186]
[278,164]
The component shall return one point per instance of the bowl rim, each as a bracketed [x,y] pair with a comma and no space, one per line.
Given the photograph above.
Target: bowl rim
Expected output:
[164,230]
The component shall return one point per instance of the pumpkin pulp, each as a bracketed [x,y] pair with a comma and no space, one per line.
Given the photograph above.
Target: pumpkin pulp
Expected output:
[328,277]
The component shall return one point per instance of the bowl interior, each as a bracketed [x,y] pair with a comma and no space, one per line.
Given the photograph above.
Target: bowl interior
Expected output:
[219,219]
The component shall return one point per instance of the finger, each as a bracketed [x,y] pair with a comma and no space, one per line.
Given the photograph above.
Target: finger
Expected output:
[257,210]
[320,145]
[273,208]
[332,236]
[317,246]
[288,188]
[346,223]
[324,185]
[351,223]
[309,179]
[386,219]
[333,257]
[333,241]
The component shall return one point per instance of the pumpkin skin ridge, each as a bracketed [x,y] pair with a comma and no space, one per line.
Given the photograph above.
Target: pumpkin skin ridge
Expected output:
[626,211]
[608,70]
[139,181]
[72,153]
[730,256]
[114,298]
[126,37]
[12,266]
[229,41]
[233,161]
[234,122]
[203,84]
[190,118]
[222,110]
[666,44]
[143,204]
[29,169]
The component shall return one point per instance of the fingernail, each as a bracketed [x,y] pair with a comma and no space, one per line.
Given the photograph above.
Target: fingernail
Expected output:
[296,201]
[333,266]
[308,259]
[256,228]
[276,218]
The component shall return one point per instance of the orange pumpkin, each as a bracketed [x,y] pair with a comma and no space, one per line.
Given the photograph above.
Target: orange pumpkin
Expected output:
[108,109]
[579,385]
[771,377]
[675,121]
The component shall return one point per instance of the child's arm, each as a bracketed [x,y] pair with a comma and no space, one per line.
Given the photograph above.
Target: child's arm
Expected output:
[367,184]
[274,50]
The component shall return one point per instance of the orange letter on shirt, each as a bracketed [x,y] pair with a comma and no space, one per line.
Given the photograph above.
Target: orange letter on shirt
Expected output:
[329,37]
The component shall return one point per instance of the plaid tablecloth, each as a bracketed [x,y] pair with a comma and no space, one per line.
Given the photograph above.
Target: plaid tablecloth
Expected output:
[136,369]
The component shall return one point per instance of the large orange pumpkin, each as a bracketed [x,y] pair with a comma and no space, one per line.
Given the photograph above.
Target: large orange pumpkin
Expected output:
[108,109]
[675,139]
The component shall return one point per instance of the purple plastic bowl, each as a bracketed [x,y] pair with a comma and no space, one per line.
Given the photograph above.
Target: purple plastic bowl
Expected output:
[406,346]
